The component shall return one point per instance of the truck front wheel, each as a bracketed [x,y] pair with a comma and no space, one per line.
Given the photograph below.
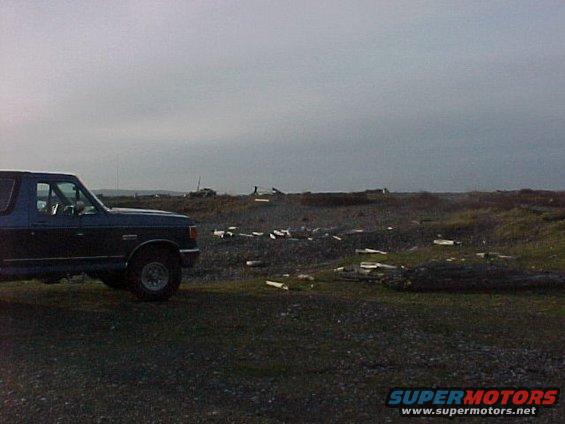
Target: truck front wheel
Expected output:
[154,274]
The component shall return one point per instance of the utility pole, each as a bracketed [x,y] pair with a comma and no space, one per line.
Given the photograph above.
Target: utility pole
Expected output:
[117,173]
[198,185]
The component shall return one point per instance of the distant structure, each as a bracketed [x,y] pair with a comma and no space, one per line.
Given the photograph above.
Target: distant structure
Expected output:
[262,191]
[376,193]
[202,193]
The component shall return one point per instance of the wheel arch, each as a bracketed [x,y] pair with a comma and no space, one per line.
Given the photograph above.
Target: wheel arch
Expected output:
[173,247]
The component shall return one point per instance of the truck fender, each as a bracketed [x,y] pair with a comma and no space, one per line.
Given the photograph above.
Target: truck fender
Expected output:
[171,245]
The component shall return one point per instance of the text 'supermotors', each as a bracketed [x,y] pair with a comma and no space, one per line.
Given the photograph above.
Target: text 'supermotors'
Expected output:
[51,226]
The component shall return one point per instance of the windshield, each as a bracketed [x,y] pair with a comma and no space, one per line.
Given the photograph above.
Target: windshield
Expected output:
[95,198]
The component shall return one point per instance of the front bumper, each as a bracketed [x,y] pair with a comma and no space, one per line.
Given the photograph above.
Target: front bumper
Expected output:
[189,257]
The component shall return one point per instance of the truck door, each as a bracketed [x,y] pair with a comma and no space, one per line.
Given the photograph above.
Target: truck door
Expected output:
[54,227]
[13,224]
[98,240]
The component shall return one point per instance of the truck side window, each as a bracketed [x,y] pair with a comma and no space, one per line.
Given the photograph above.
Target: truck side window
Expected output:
[47,201]
[6,192]
[60,199]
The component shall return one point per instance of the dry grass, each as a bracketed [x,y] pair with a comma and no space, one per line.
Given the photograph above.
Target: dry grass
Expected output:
[515,199]
[334,199]
[198,208]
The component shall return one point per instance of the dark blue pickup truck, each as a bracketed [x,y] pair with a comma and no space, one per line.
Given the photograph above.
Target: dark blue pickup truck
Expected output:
[51,226]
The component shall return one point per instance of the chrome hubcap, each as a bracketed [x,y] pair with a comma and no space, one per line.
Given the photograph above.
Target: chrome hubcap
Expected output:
[155,276]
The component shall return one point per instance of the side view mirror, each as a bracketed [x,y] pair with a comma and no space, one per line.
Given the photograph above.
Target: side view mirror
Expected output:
[79,208]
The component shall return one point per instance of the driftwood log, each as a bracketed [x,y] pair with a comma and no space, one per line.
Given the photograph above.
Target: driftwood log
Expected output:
[456,277]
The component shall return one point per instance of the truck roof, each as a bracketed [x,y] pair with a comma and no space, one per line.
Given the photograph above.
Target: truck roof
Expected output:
[13,172]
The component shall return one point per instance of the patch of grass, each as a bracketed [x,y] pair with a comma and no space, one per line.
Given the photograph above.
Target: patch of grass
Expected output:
[535,242]
[468,220]
[421,255]
[548,254]
[518,224]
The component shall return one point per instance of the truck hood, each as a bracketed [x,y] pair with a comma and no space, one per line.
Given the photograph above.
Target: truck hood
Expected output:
[147,217]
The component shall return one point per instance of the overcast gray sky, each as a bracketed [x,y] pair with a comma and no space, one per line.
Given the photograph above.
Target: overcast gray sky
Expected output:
[301,95]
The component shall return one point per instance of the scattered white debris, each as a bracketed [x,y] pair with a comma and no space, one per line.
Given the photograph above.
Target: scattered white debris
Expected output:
[262,200]
[376,265]
[413,249]
[339,269]
[245,235]
[444,242]
[487,255]
[257,233]
[254,263]
[390,228]
[324,230]
[369,252]
[356,231]
[272,236]
[305,277]
[232,228]
[337,238]
[222,234]
[281,286]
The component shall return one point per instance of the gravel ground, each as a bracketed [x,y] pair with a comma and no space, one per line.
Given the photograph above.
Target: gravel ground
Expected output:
[240,352]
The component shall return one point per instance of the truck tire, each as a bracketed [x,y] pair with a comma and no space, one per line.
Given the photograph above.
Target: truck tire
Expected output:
[154,274]
[115,281]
